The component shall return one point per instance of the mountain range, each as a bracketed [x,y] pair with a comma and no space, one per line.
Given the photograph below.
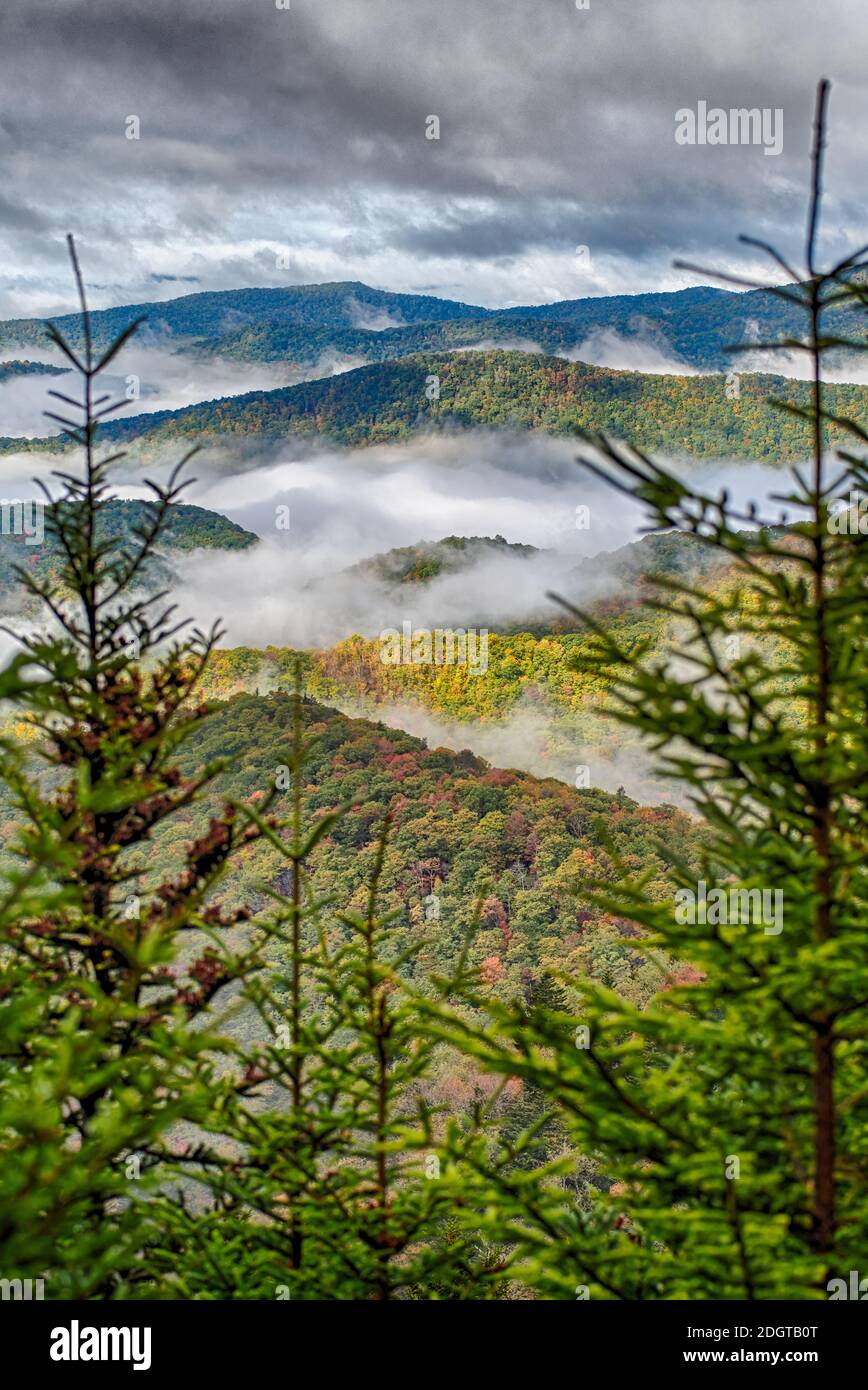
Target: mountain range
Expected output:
[300,323]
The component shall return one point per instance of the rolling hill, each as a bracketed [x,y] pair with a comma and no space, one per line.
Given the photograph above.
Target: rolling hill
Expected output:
[681,416]
[461,830]
[188,528]
[419,564]
[301,324]
[10,370]
[341,305]
[694,327]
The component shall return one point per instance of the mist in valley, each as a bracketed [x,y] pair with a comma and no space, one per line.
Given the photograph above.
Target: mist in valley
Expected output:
[319,511]
[151,374]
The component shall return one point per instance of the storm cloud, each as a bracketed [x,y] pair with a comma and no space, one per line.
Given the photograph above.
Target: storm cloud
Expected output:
[302,131]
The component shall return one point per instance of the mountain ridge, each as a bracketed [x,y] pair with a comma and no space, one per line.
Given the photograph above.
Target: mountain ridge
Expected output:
[693,325]
[690,416]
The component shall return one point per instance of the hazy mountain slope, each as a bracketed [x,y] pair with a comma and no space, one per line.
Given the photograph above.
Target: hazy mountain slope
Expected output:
[188,528]
[523,665]
[298,346]
[689,416]
[346,304]
[460,830]
[668,552]
[535,706]
[420,563]
[530,710]
[10,370]
[301,324]
[692,326]
[696,325]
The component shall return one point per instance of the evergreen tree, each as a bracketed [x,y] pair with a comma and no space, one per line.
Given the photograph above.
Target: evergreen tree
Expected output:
[348,1184]
[106,976]
[728,1116]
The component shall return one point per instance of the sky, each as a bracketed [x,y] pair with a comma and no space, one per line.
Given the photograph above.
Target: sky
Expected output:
[287,146]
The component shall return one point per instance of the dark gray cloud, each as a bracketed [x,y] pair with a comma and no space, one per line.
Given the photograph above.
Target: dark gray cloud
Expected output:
[303,130]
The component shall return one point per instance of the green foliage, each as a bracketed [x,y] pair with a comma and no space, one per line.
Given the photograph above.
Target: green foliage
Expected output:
[10,370]
[221,313]
[729,1114]
[387,401]
[344,1186]
[120,524]
[104,1046]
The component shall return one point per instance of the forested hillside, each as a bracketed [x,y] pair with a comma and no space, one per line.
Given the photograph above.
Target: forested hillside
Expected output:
[461,830]
[693,326]
[417,564]
[697,325]
[678,415]
[10,370]
[330,306]
[299,346]
[302,323]
[188,528]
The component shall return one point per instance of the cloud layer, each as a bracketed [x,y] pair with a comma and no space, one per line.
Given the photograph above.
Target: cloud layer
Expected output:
[302,131]
[295,589]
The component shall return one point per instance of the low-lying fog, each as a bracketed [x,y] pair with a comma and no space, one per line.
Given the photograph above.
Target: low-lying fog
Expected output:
[166,379]
[155,377]
[343,506]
